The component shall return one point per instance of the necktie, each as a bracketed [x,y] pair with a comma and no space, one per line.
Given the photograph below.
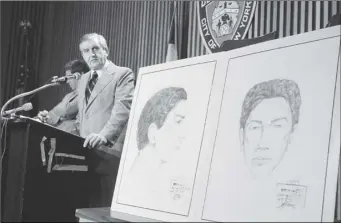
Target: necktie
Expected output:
[91,85]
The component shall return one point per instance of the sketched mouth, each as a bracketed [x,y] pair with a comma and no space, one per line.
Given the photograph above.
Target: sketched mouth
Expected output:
[177,147]
[261,160]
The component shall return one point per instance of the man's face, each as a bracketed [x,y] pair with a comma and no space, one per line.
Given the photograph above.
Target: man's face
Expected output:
[72,82]
[169,138]
[266,135]
[93,54]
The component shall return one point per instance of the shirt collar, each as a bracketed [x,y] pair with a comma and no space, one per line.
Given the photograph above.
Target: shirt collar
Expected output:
[100,72]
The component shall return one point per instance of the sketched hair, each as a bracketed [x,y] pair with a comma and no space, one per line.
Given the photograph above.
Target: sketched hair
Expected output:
[92,36]
[286,89]
[156,111]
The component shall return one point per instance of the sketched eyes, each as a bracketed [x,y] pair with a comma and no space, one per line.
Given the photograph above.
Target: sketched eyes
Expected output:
[277,126]
[178,121]
[254,127]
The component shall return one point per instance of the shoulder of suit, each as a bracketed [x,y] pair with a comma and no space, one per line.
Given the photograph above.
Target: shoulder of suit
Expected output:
[70,95]
[119,69]
[124,69]
[85,76]
[73,94]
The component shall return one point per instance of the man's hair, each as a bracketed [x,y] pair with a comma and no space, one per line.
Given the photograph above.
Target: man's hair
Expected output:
[286,89]
[156,111]
[77,66]
[93,36]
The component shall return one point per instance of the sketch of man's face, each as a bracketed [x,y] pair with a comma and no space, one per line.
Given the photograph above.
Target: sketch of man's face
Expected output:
[266,135]
[169,137]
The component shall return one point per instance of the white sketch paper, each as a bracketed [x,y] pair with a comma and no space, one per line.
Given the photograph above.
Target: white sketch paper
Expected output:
[248,135]
[269,161]
[165,138]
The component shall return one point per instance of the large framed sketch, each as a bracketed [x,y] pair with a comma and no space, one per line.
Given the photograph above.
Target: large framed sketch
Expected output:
[167,125]
[275,140]
[252,134]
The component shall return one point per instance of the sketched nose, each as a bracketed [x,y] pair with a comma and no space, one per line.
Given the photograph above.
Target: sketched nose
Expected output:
[263,148]
[181,139]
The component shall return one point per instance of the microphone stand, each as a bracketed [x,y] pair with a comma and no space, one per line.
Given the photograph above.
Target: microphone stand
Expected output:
[26,94]
[1,118]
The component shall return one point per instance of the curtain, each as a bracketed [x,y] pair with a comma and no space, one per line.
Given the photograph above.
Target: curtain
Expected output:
[14,41]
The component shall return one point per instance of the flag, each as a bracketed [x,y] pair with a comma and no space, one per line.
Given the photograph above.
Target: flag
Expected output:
[172,52]
[184,18]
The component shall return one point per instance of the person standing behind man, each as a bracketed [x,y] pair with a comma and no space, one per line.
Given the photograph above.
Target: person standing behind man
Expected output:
[63,115]
[105,97]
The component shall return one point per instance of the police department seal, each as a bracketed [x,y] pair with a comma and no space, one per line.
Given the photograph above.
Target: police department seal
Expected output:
[224,20]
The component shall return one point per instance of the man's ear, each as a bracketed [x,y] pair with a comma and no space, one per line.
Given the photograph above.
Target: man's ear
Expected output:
[107,51]
[152,131]
[291,134]
[241,138]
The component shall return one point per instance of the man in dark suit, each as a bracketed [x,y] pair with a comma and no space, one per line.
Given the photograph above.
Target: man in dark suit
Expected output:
[105,97]
[63,115]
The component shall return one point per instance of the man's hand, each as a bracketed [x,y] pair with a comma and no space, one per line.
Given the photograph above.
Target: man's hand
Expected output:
[42,116]
[94,140]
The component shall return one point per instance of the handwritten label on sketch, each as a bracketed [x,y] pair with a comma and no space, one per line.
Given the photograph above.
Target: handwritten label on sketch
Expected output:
[290,196]
[178,190]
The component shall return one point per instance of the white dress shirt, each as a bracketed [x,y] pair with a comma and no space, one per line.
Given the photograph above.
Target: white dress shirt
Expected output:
[100,72]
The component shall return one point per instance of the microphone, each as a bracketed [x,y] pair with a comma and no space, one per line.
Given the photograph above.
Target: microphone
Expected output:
[63,79]
[24,107]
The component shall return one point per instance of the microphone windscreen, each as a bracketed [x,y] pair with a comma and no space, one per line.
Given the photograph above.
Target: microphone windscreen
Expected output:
[77,75]
[27,106]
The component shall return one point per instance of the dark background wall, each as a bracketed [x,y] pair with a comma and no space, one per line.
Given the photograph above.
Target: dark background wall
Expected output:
[136,32]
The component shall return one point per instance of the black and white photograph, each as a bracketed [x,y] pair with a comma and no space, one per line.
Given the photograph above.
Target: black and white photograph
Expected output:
[170,111]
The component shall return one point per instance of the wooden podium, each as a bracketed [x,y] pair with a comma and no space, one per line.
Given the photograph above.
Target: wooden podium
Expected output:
[29,192]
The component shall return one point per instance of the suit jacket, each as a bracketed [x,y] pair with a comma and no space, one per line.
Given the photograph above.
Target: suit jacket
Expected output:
[108,108]
[63,115]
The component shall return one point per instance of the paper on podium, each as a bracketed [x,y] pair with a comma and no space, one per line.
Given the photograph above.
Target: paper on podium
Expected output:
[51,131]
[67,143]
